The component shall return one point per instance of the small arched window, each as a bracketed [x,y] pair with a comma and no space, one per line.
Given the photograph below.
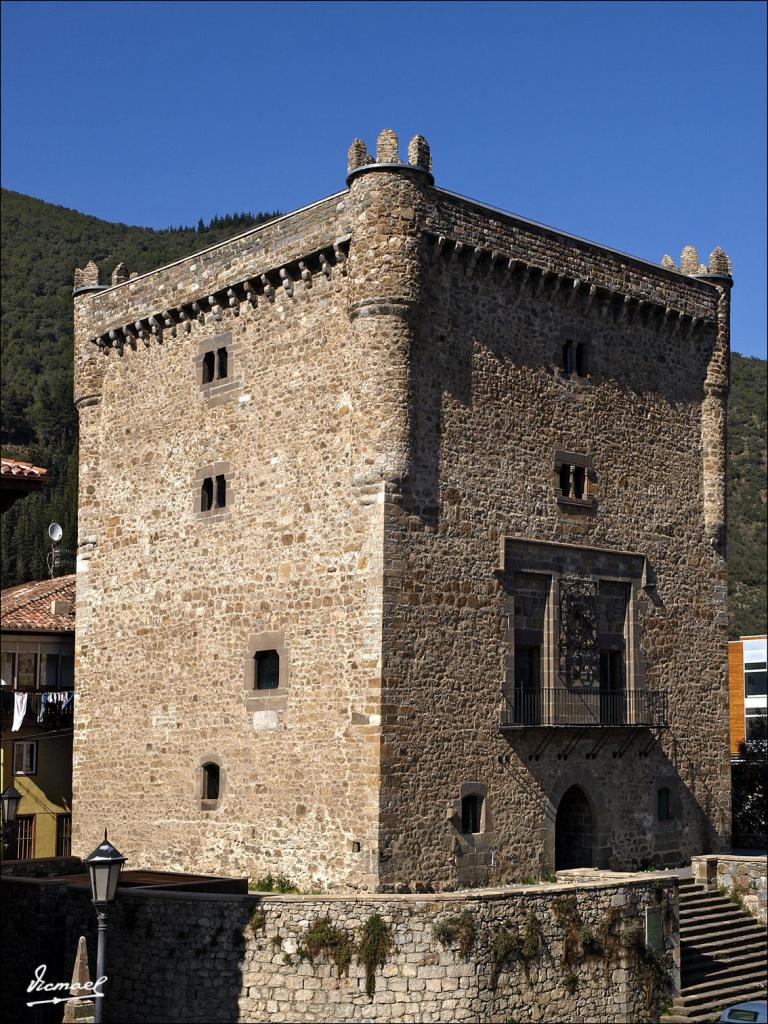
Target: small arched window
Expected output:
[471,813]
[222,359]
[579,477]
[211,781]
[664,804]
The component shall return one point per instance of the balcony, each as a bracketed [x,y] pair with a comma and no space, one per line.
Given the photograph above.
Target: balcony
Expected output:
[584,709]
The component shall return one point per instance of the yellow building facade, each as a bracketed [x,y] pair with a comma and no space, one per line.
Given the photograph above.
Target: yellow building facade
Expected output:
[37,633]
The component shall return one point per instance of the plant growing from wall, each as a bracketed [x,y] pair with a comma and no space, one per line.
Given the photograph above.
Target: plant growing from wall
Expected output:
[375,946]
[459,929]
[258,920]
[609,936]
[324,937]
[652,963]
[272,883]
[568,917]
[571,983]
[507,944]
[533,939]
[736,896]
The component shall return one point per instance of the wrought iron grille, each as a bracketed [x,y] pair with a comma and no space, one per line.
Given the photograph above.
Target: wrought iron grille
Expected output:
[579,651]
[559,706]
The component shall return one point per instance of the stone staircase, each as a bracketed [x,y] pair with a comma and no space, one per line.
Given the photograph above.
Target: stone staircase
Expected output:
[722,956]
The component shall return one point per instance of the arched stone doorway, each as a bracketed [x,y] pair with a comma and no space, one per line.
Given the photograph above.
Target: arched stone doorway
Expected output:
[574,831]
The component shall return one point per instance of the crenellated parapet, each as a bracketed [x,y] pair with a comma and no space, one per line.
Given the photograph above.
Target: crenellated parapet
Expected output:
[387,156]
[719,263]
[86,278]
[265,287]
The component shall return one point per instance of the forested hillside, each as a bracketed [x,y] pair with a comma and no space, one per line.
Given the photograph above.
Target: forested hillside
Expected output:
[747,611]
[42,245]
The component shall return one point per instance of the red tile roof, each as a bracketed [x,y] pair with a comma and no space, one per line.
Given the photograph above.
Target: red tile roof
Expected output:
[28,605]
[14,468]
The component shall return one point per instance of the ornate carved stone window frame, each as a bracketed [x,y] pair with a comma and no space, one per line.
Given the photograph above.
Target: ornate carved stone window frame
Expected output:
[598,565]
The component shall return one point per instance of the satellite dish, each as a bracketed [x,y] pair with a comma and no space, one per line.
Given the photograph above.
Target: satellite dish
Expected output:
[55,532]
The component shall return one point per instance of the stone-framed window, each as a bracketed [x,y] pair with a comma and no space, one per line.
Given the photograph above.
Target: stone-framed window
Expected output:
[212,780]
[574,358]
[266,670]
[572,354]
[543,654]
[212,491]
[574,478]
[265,673]
[471,813]
[215,364]
[664,803]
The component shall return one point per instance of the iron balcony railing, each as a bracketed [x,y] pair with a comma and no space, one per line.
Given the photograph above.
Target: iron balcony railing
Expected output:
[560,706]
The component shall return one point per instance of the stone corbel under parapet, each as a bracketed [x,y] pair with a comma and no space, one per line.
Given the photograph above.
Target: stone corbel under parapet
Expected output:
[571,291]
[253,290]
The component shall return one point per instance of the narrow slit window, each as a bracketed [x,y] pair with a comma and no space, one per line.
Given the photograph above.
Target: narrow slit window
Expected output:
[471,813]
[568,358]
[579,478]
[222,360]
[206,495]
[211,781]
[221,491]
[565,481]
[581,360]
[208,367]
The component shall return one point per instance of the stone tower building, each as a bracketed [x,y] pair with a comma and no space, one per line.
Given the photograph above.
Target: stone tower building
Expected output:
[402,547]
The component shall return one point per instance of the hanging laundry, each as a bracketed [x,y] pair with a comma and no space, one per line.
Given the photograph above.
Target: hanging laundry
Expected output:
[19,710]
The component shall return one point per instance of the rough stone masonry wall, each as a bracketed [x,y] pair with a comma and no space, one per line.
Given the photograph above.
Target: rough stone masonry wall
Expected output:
[169,601]
[489,410]
[743,878]
[188,957]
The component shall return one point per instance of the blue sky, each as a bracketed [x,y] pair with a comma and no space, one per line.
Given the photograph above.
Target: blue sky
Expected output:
[641,126]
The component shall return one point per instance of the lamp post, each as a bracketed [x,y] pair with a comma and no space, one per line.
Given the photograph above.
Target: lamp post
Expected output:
[10,800]
[104,867]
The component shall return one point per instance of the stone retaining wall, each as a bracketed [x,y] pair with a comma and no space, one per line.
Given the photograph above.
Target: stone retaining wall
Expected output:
[744,878]
[535,953]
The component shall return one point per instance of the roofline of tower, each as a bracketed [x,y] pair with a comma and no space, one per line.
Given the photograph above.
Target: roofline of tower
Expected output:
[217,245]
[664,271]
[637,260]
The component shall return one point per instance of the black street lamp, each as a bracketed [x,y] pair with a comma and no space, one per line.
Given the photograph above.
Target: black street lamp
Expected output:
[10,800]
[104,867]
